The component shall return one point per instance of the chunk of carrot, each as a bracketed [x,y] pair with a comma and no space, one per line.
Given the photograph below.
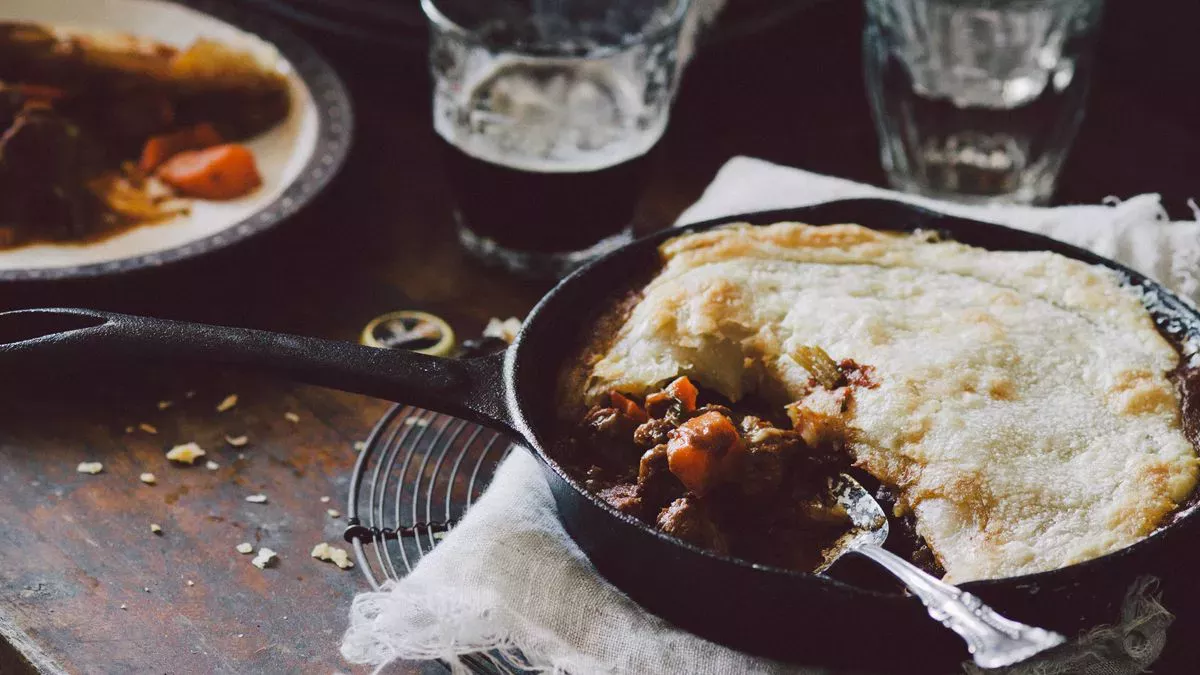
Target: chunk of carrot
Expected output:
[701,448]
[686,392]
[158,149]
[627,406]
[221,172]
[693,466]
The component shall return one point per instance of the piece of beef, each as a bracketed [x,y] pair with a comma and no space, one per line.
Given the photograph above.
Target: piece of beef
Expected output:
[609,424]
[769,454]
[626,498]
[603,422]
[43,168]
[659,486]
[687,519]
[651,433]
[122,129]
[610,433]
[714,407]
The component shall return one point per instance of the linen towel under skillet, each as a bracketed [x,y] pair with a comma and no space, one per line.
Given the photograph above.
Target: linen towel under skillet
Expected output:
[510,579]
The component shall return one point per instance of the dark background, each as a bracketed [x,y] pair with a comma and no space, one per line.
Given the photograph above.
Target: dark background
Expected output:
[793,93]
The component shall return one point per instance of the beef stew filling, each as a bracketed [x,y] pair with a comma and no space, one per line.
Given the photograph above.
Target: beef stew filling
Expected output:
[737,479]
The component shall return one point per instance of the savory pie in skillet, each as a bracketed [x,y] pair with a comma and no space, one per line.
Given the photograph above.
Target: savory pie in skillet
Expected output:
[1020,407]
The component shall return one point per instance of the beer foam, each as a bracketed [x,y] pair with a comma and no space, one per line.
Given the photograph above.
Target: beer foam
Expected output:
[550,116]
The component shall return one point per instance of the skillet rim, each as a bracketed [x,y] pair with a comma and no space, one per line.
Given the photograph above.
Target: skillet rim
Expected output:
[930,220]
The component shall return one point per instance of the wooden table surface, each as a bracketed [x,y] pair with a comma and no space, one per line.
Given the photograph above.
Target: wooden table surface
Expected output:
[86,587]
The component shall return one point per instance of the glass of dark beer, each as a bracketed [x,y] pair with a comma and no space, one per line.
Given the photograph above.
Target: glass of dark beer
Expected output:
[548,111]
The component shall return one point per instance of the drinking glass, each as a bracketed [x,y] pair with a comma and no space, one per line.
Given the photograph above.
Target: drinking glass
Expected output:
[548,111]
[978,101]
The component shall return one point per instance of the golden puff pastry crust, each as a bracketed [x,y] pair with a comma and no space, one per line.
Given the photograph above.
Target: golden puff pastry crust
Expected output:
[1024,407]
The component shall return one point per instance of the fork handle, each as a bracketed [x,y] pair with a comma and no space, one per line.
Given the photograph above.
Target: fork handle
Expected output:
[993,640]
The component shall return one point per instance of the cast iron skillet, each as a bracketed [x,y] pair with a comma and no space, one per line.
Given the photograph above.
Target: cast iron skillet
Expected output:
[779,613]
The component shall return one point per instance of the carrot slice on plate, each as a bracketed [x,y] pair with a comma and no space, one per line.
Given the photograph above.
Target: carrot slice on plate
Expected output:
[221,172]
[159,149]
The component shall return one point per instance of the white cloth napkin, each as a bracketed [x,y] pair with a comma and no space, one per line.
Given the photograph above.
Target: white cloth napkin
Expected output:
[510,579]
[1135,231]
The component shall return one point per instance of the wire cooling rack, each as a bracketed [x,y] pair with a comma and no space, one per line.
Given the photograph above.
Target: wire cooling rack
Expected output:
[417,475]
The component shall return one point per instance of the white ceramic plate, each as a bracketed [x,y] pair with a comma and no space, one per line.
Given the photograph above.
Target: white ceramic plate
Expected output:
[296,158]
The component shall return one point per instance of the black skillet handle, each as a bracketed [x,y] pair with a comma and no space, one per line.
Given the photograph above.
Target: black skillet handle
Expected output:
[473,389]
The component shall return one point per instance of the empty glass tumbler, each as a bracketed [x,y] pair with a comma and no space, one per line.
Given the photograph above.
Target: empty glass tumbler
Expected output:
[978,101]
